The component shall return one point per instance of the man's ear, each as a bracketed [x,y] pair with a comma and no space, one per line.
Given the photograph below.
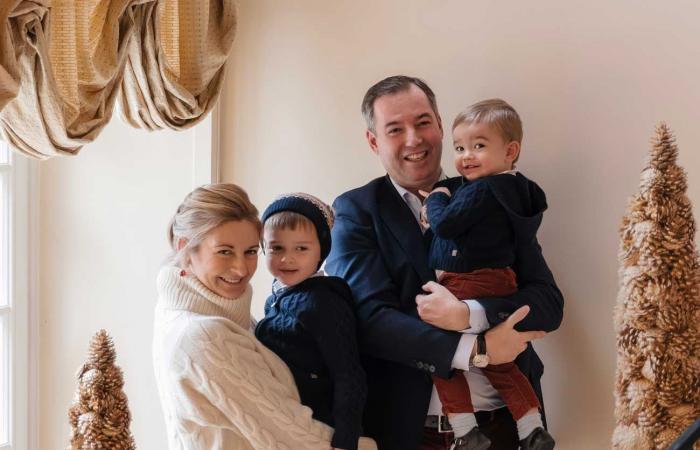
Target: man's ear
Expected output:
[371,140]
[512,151]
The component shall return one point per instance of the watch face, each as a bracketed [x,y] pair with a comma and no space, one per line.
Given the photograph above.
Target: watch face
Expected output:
[480,360]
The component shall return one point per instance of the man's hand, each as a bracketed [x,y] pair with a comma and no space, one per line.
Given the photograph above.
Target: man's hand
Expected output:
[504,343]
[441,309]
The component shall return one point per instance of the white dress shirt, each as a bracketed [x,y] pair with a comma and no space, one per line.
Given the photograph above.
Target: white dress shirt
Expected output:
[484,396]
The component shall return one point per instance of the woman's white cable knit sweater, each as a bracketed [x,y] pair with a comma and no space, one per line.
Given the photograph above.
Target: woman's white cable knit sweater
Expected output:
[219,387]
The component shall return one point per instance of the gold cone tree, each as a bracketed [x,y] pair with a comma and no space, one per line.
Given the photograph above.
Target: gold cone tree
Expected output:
[99,416]
[657,318]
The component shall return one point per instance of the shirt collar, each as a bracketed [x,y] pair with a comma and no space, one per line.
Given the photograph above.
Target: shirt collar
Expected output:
[412,200]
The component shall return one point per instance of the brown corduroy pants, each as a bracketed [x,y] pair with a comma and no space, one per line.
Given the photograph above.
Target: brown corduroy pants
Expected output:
[511,384]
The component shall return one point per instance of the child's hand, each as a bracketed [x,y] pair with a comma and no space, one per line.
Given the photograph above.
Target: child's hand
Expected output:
[442,189]
[424,210]
[424,217]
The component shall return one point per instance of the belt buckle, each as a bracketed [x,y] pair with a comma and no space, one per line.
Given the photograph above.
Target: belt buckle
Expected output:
[444,424]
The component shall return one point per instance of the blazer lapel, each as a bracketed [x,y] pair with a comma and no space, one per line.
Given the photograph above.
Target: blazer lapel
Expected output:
[398,217]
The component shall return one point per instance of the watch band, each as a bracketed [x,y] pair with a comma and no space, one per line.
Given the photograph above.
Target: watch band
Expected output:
[481,344]
[481,359]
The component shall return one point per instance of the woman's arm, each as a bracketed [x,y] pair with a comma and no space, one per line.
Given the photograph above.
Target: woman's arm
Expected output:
[227,379]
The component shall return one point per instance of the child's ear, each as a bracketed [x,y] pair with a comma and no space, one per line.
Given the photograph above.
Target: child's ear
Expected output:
[512,151]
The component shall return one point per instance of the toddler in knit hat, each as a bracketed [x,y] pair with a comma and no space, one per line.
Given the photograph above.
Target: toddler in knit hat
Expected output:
[309,318]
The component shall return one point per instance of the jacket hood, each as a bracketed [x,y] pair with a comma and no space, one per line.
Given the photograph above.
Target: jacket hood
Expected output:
[523,200]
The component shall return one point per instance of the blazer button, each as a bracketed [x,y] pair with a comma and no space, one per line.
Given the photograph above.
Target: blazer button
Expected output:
[503,315]
[432,369]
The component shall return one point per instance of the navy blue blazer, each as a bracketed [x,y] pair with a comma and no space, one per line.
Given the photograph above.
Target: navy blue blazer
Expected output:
[378,248]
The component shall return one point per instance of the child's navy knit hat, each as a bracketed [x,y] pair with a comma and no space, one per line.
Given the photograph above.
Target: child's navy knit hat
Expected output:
[320,214]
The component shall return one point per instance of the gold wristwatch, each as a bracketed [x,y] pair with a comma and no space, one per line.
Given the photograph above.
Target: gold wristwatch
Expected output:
[481,358]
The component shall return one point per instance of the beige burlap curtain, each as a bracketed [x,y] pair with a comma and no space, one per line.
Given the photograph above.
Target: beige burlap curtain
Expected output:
[175,68]
[63,63]
[9,68]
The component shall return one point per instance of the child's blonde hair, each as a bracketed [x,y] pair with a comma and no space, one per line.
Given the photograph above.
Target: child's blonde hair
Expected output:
[496,113]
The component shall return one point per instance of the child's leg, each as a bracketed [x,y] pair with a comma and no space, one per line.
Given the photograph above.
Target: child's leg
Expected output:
[456,402]
[477,284]
[454,393]
[518,395]
[481,283]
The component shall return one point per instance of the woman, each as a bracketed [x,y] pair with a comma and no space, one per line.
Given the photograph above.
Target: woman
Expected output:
[220,388]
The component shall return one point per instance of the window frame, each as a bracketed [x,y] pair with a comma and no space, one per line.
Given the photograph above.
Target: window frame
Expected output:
[20,177]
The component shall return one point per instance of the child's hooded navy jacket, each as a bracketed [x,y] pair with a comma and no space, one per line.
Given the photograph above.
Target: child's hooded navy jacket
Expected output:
[480,225]
[311,326]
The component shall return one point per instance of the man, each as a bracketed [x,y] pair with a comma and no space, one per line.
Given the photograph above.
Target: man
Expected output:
[380,249]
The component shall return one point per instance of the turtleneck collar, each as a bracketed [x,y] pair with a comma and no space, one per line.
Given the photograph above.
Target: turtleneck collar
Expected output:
[188,293]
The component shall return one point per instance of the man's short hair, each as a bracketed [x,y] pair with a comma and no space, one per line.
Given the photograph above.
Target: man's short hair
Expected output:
[393,85]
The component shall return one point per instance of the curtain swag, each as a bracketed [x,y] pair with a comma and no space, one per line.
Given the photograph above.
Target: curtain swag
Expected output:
[64,64]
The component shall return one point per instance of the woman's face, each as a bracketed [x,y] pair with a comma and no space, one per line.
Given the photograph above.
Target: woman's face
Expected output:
[227,258]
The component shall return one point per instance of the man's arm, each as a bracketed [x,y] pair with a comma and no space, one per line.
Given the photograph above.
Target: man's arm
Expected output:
[385,331]
[536,289]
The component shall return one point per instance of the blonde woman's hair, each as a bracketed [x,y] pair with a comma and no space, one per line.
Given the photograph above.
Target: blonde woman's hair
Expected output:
[204,209]
[496,113]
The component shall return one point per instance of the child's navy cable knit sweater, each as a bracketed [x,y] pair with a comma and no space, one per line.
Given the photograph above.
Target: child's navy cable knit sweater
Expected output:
[311,326]
[482,222]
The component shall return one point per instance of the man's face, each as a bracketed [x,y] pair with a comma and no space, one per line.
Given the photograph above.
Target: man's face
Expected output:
[408,138]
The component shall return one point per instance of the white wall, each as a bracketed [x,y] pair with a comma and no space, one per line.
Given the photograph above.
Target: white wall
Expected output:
[590,80]
[103,219]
